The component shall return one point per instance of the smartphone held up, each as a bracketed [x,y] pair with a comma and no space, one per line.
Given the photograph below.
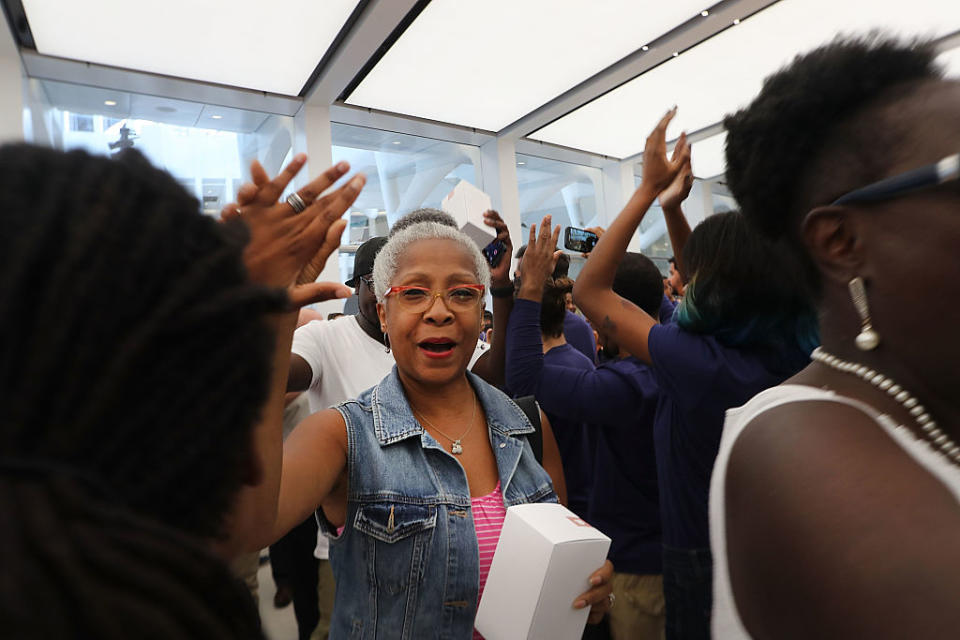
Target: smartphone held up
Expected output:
[579,240]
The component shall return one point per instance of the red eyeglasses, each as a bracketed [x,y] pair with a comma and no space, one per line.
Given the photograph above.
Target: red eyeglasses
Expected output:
[461,297]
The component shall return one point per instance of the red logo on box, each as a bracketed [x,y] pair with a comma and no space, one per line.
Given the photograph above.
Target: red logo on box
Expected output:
[580,522]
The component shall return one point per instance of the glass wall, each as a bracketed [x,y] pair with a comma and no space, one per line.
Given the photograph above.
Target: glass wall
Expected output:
[652,238]
[570,193]
[208,149]
[404,173]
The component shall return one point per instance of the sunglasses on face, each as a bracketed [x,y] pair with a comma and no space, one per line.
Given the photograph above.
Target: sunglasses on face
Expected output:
[931,175]
[461,297]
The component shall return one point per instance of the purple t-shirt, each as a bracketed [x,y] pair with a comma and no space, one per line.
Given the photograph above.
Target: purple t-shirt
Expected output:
[617,401]
[577,445]
[700,379]
[579,335]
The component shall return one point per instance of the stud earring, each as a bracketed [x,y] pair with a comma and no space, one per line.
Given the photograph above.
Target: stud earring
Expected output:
[868,338]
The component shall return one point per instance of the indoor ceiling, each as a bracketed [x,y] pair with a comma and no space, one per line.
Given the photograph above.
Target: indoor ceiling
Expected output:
[271,47]
[604,71]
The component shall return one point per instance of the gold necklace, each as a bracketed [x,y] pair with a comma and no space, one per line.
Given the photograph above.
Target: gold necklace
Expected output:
[456,446]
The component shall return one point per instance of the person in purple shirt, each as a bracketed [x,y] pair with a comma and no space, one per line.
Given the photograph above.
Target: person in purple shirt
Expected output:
[577,332]
[618,400]
[576,444]
[741,328]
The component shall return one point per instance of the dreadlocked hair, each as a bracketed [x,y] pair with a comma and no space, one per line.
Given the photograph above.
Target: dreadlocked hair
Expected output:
[76,565]
[804,139]
[553,305]
[135,348]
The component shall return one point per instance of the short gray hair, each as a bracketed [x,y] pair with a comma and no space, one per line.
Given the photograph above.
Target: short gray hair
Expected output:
[426,214]
[388,260]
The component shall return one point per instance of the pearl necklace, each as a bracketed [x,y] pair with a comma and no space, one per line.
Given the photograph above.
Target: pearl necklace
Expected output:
[928,427]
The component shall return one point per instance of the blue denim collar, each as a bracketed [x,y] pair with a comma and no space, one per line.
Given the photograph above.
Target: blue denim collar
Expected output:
[393,419]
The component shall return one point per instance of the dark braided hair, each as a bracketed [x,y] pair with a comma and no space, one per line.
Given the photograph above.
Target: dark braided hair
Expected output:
[134,363]
[814,132]
[76,566]
[134,346]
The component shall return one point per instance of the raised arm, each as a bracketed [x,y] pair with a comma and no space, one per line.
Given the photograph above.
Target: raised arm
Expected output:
[598,396]
[593,291]
[287,250]
[490,366]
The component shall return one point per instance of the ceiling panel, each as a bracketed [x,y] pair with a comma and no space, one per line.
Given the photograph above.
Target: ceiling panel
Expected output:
[708,156]
[244,43]
[725,72]
[487,63]
[951,62]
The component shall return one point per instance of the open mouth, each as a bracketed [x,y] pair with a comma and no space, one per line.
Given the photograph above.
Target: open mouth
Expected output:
[437,348]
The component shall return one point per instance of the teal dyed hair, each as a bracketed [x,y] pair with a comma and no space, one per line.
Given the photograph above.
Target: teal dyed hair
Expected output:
[742,291]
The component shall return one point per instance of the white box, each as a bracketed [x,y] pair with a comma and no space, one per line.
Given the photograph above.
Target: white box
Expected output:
[543,561]
[467,205]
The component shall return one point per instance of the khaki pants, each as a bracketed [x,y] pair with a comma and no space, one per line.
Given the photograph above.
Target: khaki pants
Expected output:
[325,591]
[638,612]
[245,568]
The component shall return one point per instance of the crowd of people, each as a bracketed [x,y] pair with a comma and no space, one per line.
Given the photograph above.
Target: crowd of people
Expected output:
[764,433]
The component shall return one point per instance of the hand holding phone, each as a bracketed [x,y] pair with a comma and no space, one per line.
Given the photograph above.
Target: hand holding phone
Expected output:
[494,252]
[579,240]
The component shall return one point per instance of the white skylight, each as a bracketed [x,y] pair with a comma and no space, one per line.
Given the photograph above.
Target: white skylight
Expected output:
[726,72]
[271,46]
[951,62]
[487,63]
[708,156]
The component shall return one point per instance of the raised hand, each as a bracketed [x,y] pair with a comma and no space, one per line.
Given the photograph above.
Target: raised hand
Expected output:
[289,249]
[500,274]
[679,189]
[659,170]
[539,259]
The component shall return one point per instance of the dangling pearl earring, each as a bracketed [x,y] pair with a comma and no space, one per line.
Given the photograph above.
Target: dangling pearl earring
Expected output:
[867,339]
[386,340]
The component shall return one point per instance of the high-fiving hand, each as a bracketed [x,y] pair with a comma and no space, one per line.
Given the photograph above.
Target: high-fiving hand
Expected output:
[289,249]
[659,170]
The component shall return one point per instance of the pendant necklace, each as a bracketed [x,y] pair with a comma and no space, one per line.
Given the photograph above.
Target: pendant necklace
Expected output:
[456,446]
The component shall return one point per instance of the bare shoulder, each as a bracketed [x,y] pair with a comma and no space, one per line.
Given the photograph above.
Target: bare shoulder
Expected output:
[320,429]
[833,530]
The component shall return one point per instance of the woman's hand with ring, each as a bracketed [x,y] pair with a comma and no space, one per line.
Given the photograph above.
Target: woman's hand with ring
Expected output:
[287,249]
[598,598]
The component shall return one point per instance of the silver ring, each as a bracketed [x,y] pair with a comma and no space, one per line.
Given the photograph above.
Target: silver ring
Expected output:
[296,202]
[612,598]
[239,212]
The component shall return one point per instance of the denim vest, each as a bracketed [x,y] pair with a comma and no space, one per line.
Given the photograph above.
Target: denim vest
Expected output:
[407,562]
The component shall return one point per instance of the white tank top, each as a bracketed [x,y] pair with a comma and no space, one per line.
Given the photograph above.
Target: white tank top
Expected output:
[726,620]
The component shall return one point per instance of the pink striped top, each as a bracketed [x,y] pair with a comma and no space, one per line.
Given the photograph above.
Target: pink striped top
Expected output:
[488,516]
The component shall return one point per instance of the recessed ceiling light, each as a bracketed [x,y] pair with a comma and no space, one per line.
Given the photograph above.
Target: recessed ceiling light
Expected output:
[645,48]
[405,79]
[110,103]
[94,31]
[676,53]
[521,163]
[217,116]
[165,109]
[616,124]
[704,13]
[736,21]
[395,142]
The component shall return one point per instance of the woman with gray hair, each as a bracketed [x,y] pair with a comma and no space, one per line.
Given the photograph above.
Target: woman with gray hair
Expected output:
[411,480]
